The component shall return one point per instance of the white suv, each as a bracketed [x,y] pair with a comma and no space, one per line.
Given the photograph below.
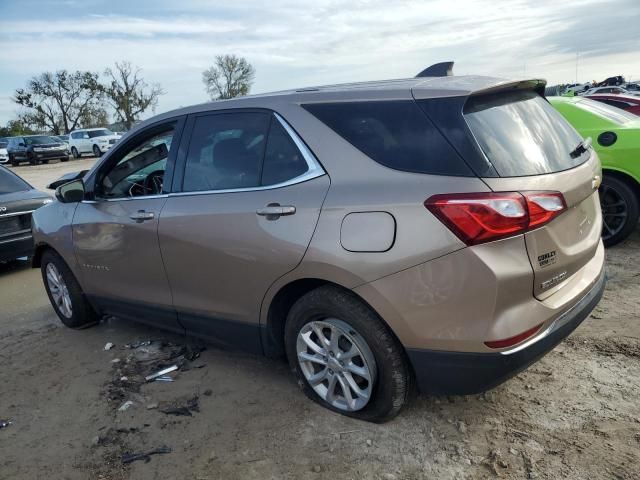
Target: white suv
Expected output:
[91,140]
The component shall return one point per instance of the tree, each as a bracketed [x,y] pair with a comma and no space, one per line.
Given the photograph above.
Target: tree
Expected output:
[128,93]
[229,77]
[16,128]
[57,101]
[94,117]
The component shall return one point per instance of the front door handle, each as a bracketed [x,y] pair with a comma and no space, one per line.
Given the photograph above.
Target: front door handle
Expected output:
[273,211]
[142,215]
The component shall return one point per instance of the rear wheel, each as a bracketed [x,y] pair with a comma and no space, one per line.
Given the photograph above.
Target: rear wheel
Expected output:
[32,159]
[65,293]
[74,152]
[344,357]
[620,210]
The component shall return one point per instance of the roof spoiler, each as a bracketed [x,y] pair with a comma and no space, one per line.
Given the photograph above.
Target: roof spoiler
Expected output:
[442,69]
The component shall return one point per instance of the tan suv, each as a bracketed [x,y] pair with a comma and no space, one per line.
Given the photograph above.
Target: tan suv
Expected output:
[444,231]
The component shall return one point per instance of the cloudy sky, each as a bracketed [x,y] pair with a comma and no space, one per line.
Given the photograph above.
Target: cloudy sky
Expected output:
[293,43]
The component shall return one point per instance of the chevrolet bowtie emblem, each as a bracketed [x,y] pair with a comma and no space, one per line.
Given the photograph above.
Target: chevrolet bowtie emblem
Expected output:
[595,183]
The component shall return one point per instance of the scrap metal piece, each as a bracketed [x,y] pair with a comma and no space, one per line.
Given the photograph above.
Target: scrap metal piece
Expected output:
[161,373]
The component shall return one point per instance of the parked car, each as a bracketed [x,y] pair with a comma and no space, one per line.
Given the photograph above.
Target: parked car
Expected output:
[629,103]
[65,140]
[576,88]
[615,135]
[34,149]
[4,155]
[18,200]
[95,141]
[442,230]
[609,90]
[632,87]
[612,81]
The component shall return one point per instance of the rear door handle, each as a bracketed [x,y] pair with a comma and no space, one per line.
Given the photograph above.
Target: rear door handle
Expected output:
[142,215]
[273,211]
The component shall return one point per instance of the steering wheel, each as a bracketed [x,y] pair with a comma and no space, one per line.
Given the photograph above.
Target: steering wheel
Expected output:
[153,182]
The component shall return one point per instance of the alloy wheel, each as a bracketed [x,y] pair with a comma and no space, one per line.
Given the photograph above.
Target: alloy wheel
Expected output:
[337,363]
[614,211]
[59,290]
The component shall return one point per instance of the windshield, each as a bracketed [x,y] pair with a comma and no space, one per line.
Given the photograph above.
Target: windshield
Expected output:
[3,144]
[103,132]
[521,134]
[613,114]
[10,182]
[40,140]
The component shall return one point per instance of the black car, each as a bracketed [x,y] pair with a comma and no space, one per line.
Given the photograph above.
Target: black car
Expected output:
[18,200]
[36,148]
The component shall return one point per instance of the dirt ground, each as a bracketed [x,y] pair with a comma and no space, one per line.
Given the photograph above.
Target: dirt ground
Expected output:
[573,415]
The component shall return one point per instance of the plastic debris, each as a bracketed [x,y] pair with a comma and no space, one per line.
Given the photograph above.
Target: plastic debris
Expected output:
[125,406]
[191,405]
[161,373]
[108,346]
[5,423]
[146,456]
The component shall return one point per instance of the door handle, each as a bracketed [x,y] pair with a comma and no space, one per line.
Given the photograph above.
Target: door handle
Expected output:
[141,215]
[273,211]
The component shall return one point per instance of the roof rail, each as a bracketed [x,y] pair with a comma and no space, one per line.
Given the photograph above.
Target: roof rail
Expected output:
[442,69]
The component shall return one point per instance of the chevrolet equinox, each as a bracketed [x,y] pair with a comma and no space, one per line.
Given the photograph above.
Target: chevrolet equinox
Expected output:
[442,232]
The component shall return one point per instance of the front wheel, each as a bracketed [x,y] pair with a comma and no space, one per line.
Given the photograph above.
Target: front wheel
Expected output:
[620,210]
[75,153]
[344,357]
[65,293]
[96,151]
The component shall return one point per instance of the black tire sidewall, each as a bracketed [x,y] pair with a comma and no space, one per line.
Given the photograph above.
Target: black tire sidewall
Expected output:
[630,197]
[83,315]
[75,153]
[391,387]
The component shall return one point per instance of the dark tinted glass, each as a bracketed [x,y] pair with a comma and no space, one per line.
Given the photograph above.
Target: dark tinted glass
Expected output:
[99,133]
[396,134]
[283,161]
[10,183]
[521,134]
[226,151]
[40,140]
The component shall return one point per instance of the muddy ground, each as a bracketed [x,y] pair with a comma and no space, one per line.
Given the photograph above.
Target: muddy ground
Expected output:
[573,415]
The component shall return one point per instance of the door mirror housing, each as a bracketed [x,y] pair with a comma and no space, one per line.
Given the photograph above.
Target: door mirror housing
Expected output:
[71,192]
[21,144]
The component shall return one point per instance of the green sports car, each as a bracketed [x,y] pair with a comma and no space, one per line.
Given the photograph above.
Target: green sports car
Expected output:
[615,136]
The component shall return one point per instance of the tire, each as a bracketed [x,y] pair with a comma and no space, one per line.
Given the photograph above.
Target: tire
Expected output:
[380,354]
[96,152]
[45,161]
[620,210]
[81,314]
[13,161]
[64,159]
[32,160]
[75,153]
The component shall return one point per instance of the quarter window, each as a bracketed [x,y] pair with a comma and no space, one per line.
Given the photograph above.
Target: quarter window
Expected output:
[282,161]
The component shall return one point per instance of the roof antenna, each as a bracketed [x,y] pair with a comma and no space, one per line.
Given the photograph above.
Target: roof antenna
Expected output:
[442,69]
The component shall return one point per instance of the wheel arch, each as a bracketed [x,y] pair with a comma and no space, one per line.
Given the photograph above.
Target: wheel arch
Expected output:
[272,330]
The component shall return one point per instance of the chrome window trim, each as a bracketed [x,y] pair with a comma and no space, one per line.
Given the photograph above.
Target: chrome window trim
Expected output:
[16,239]
[315,169]
[5,215]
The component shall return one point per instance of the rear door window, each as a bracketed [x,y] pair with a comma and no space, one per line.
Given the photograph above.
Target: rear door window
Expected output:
[396,134]
[226,151]
[522,134]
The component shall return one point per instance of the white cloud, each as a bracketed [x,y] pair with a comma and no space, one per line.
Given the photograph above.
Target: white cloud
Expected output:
[295,44]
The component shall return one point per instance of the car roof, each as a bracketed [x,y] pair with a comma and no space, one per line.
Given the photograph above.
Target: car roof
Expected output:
[614,96]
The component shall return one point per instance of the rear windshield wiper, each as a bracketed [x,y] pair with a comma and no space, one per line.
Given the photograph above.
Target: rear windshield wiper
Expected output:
[582,147]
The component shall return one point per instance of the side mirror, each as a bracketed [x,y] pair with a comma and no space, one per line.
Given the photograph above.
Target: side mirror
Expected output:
[71,192]
[21,144]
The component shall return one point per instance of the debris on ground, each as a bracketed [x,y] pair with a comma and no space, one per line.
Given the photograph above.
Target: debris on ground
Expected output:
[183,408]
[5,423]
[161,373]
[146,456]
[125,406]
[208,392]
[108,346]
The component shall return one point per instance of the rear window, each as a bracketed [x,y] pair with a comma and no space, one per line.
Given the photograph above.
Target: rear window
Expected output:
[10,183]
[613,114]
[522,134]
[396,134]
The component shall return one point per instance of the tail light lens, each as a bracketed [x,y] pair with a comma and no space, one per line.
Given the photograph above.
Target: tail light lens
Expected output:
[484,217]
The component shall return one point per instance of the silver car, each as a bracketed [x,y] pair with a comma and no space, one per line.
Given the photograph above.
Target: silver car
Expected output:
[442,232]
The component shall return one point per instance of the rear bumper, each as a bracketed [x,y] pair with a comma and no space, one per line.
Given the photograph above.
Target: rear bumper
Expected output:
[460,373]
[16,248]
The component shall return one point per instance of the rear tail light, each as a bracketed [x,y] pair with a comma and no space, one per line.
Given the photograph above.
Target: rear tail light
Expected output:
[511,341]
[484,217]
